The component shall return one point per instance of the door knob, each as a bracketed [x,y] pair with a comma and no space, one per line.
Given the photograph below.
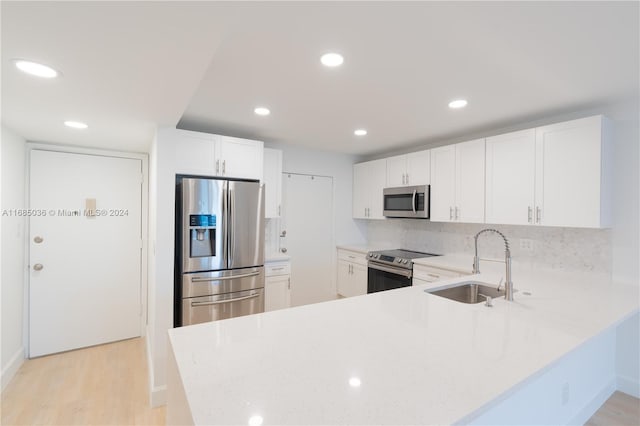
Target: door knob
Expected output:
[38,239]
[38,267]
[284,250]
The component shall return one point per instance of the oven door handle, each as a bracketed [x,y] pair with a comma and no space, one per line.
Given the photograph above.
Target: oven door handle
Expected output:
[220,302]
[404,272]
[413,201]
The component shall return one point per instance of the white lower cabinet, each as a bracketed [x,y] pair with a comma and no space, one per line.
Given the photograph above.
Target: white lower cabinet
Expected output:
[429,274]
[277,291]
[352,273]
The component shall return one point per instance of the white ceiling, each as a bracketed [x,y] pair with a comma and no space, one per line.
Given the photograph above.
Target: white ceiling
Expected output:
[128,66]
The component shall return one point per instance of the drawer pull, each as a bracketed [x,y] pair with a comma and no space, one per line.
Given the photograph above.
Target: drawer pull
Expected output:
[434,275]
[220,302]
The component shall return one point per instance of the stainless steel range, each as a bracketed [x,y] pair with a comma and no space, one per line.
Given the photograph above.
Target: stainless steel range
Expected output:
[389,269]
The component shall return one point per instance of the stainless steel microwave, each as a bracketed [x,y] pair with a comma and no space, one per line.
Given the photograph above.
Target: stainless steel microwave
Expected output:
[406,201]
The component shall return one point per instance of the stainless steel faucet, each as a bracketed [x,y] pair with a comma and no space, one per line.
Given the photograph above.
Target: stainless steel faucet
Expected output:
[508,295]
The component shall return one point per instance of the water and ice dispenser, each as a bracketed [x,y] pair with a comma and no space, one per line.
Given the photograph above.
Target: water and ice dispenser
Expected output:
[202,239]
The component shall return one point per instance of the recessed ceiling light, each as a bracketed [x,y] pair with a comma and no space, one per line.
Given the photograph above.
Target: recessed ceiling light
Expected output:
[360,132]
[75,124]
[355,382]
[458,103]
[262,111]
[36,69]
[332,59]
[256,420]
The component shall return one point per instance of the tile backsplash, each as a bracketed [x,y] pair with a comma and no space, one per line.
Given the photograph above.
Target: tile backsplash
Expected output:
[570,249]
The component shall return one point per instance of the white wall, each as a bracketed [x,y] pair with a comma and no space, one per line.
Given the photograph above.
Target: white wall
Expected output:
[152,267]
[13,253]
[161,242]
[340,168]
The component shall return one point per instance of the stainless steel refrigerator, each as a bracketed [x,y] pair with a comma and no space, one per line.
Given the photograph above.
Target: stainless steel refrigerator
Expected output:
[219,249]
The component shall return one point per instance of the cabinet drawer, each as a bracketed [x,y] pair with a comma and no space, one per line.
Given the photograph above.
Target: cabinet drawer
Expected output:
[277,268]
[352,256]
[431,274]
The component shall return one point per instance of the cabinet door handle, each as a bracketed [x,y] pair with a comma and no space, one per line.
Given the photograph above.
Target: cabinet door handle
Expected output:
[457,216]
[279,211]
[450,213]
[224,167]
[529,214]
[407,177]
[351,257]
[289,283]
[217,166]
[538,214]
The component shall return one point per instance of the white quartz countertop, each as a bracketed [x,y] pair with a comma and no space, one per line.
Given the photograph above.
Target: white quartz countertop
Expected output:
[418,358]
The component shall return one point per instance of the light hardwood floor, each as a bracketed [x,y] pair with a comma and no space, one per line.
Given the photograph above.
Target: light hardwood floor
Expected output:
[108,384]
[619,410]
[104,384]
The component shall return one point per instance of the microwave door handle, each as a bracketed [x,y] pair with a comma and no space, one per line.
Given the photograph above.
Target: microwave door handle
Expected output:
[413,202]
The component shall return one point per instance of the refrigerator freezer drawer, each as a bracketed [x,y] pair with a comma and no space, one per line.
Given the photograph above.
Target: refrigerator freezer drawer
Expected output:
[197,310]
[221,282]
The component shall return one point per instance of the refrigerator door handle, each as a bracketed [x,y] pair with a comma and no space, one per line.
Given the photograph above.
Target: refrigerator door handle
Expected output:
[227,278]
[226,225]
[219,302]
[231,240]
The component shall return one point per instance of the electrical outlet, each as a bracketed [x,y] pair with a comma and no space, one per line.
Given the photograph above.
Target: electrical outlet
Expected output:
[526,244]
[565,393]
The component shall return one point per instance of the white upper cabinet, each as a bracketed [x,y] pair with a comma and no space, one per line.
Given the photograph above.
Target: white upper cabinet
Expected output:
[194,152]
[443,183]
[470,164]
[556,175]
[272,182]
[240,158]
[205,154]
[409,169]
[510,179]
[457,182]
[368,182]
[573,173]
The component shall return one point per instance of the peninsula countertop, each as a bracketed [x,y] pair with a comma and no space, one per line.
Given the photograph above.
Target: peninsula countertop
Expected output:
[396,357]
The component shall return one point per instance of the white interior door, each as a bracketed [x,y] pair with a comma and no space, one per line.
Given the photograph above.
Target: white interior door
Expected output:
[308,221]
[84,269]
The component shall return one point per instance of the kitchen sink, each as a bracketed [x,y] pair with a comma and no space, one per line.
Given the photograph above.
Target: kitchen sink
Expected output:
[469,292]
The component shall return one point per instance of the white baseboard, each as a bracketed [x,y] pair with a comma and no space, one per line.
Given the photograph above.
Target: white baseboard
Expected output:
[159,396]
[12,367]
[628,385]
[589,410]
